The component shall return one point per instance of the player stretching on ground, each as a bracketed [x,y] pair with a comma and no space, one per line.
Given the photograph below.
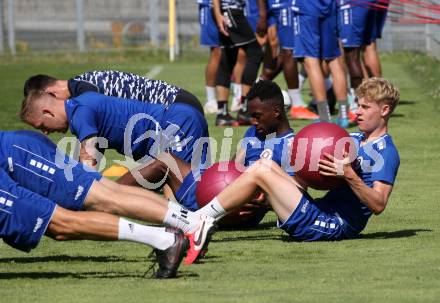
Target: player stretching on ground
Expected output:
[135,129]
[31,161]
[113,83]
[343,212]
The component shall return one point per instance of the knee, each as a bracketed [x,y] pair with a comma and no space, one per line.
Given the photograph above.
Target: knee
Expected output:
[262,168]
[64,227]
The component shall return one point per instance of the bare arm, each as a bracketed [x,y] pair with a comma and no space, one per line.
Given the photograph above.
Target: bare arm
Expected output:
[88,153]
[375,198]
[239,156]
[219,18]
[262,21]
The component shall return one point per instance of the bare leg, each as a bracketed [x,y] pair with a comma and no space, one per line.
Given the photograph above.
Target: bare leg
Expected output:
[272,61]
[282,190]
[222,92]
[167,167]
[237,72]
[211,67]
[372,60]
[316,78]
[290,69]
[353,61]
[82,225]
[104,199]
[339,80]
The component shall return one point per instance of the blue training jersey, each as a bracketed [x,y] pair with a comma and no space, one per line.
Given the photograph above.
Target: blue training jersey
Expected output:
[376,161]
[96,115]
[204,2]
[251,8]
[278,4]
[317,8]
[124,85]
[232,4]
[31,160]
[277,148]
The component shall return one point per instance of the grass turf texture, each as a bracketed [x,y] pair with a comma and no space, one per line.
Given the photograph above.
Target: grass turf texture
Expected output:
[397,259]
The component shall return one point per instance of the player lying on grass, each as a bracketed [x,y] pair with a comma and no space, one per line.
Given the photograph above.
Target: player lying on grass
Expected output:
[270,137]
[29,160]
[135,129]
[343,212]
[113,83]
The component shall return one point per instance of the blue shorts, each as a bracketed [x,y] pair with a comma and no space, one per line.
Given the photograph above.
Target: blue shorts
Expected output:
[31,160]
[190,126]
[356,25]
[311,221]
[209,34]
[24,215]
[380,18]
[253,20]
[186,195]
[283,20]
[316,37]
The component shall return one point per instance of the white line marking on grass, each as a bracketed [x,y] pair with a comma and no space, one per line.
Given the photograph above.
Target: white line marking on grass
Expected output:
[154,71]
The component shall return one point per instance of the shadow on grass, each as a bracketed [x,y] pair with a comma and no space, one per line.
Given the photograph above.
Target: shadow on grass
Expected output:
[83,275]
[260,226]
[404,233]
[248,238]
[73,275]
[407,102]
[66,258]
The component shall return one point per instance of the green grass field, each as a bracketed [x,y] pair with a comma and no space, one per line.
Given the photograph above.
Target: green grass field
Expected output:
[397,259]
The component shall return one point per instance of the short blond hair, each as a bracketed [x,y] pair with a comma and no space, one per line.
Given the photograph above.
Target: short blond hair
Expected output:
[29,104]
[379,90]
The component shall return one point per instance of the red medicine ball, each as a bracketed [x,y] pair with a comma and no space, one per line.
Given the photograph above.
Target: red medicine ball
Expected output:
[308,148]
[213,181]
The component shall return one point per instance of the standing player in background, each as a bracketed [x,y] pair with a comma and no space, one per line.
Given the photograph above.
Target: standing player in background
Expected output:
[209,37]
[280,57]
[113,83]
[356,22]
[236,33]
[269,137]
[315,29]
[370,54]
[344,211]
[252,14]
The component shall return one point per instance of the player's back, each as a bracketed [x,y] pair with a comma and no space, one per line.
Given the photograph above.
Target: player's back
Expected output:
[127,86]
[115,119]
[32,160]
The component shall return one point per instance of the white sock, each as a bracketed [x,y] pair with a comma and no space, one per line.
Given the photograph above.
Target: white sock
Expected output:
[351,97]
[210,94]
[179,208]
[328,83]
[295,97]
[236,90]
[181,220]
[156,237]
[301,80]
[212,209]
